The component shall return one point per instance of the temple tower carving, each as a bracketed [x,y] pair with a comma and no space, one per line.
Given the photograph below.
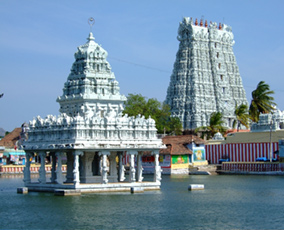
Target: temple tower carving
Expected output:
[205,76]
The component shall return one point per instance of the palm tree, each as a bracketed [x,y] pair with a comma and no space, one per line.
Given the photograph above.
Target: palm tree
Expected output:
[242,116]
[261,101]
[215,125]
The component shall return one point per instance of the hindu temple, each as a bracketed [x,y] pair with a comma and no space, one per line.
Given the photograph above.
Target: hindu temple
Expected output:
[205,77]
[91,134]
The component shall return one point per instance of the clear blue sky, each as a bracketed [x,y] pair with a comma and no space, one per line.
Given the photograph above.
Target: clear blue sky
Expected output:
[38,40]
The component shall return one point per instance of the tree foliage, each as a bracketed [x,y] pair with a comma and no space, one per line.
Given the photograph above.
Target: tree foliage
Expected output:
[242,116]
[135,105]
[262,101]
[215,125]
[160,112]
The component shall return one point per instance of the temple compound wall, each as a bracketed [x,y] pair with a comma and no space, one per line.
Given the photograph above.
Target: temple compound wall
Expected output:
[92,133]
[205,77]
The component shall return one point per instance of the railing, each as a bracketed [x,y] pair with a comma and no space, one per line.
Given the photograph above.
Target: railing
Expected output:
[252,166]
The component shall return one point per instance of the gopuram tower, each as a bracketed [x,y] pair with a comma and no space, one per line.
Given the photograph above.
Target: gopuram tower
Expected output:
[206,77]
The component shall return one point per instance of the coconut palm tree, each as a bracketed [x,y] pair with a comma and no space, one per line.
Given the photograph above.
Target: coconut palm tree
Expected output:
[215,125]
[242,116]
[262,101]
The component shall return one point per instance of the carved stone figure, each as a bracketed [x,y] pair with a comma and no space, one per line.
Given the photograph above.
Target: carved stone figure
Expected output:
[209,78]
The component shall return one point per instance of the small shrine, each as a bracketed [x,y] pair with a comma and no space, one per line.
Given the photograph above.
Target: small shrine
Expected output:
[269,122]
[91,134]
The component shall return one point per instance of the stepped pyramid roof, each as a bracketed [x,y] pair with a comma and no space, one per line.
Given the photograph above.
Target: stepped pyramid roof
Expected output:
[205,76]
[91,82]
[91,111]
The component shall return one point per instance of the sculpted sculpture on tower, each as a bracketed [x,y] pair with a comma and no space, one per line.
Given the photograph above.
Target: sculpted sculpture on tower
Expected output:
[206,77]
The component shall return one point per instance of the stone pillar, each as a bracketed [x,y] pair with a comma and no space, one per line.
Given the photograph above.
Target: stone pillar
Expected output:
[27,169]
[132,166]
[86,173]
[139,168]
[113,169]
[53,168]
[158,170]
[121,176]
[76,172]
[59,176]
[42,173]
[100,164]
[70,163]
[104,166]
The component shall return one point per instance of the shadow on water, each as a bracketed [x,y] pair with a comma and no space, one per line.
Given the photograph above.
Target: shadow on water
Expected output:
[227,202]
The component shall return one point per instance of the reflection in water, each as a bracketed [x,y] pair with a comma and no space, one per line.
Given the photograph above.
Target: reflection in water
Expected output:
[34,176]
[20,175]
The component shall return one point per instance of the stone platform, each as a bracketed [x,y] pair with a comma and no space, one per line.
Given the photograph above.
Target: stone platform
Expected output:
[68,189]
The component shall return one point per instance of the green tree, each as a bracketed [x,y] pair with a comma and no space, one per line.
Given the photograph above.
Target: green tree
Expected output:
[160,112]
[134,105]
[242,116]
[215,125]
[175,125]
[162,117]
[262,101]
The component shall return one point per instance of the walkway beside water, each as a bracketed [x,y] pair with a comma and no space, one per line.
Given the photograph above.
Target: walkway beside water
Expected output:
[251,168]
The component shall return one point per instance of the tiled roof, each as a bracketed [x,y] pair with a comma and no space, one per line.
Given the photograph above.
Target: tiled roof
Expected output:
[10,139]
[176,145]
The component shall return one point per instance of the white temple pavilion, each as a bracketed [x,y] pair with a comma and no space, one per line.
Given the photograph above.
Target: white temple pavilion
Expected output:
[92,134]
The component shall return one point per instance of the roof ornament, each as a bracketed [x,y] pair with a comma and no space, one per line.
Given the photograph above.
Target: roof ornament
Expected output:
[196,22]
[201,20]
[91,22]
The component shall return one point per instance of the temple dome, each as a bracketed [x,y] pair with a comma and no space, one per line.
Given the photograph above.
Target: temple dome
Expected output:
[218,136]
[91,82]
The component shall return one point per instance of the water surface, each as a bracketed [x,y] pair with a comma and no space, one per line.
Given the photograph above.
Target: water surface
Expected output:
[227,202]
